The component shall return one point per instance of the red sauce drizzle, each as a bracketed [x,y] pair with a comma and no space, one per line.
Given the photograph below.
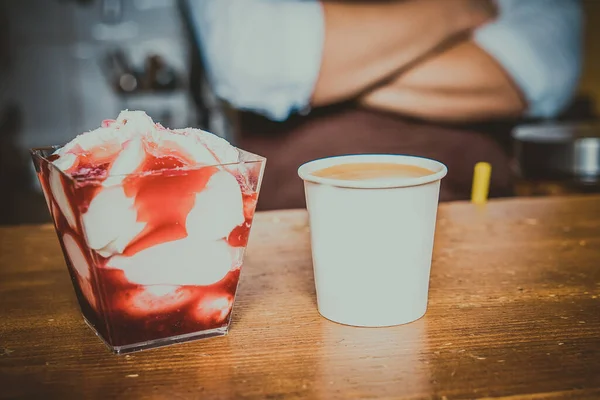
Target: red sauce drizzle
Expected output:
[164,199]
[239,235]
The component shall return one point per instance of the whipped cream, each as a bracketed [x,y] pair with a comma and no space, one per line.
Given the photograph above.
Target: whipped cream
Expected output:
[122,143]
[82,268]
[113,158]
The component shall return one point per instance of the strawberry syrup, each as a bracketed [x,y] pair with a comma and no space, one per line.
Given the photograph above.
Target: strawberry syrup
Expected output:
[124,313]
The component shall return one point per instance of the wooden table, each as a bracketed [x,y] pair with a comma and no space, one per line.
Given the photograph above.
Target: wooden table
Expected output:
[514,312]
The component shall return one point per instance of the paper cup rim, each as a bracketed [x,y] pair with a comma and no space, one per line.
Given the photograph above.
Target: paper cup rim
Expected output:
[440,170]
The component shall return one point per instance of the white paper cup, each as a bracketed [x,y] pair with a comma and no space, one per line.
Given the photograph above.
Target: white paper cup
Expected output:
[372,241]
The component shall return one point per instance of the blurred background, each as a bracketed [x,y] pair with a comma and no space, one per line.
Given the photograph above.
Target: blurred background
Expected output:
[65,65]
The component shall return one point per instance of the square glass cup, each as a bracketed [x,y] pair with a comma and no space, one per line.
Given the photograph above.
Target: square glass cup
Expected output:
[142,286]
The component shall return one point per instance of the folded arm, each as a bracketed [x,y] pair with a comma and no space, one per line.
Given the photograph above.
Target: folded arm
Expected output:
[528,61]
[276,57]
[462,83]
[366,43]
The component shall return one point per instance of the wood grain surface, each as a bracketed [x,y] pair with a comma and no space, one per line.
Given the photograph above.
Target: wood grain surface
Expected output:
[514,312]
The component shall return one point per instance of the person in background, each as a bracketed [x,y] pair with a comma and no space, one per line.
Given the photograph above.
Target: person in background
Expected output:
[414,77]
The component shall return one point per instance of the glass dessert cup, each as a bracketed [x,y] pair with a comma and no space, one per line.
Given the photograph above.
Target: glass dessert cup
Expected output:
[152,287]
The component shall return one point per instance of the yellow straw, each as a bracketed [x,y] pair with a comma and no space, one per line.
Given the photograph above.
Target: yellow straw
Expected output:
[481,183]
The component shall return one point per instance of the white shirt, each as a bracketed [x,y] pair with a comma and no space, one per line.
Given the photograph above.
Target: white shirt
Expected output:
[265,55]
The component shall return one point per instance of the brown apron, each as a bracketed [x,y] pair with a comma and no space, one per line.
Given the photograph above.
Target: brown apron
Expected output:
[351,130]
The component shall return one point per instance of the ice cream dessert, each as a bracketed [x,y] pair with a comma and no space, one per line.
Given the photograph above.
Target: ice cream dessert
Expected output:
[153,223]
